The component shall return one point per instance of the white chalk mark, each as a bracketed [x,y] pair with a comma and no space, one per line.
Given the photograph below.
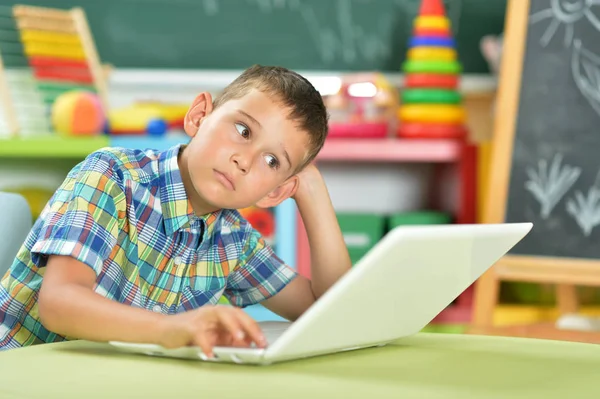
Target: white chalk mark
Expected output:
[593,18]
[585,209]
[567,12]
[346,29]
[347,40]
[211,7]
[335,38]
[585,67]
[547,36]
[569,31]
[550,186]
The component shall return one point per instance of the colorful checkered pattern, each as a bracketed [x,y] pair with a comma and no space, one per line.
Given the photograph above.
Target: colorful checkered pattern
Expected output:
[125,214]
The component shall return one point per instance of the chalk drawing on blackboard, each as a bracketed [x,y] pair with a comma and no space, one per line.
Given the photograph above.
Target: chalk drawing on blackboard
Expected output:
[585,66]
[340,38]
[567,12]
[586,209]
[549,185]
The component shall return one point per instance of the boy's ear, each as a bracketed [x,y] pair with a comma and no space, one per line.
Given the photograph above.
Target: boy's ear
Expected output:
[200,108]
[280,194]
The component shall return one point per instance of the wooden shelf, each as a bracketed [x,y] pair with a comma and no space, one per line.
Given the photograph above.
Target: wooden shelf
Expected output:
[391,150]
[51,146]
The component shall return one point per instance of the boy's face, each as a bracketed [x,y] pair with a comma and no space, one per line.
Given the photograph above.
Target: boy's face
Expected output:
[242,153]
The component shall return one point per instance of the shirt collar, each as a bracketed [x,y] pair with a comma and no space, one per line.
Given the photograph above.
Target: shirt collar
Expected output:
[176,208]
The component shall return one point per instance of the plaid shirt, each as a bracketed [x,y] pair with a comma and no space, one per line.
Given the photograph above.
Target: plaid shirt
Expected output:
[125,214]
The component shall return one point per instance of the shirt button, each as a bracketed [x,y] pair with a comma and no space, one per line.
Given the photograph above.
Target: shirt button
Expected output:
[178,260]
[157,308]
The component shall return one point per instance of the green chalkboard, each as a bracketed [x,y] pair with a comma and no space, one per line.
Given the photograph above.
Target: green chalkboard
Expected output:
[337,35]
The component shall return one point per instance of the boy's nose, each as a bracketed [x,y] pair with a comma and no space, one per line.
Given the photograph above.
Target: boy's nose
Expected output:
[242,164]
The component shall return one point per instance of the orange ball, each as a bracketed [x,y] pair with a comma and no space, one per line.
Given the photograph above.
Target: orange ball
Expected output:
[78,113]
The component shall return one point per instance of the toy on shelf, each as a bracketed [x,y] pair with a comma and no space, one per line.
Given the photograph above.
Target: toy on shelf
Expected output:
[364,107]
[78,113]
[23,109]
[263,220]
[45,53]
[146,117]
[431,106]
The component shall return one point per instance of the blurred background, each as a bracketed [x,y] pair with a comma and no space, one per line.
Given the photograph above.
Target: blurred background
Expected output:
[410,86]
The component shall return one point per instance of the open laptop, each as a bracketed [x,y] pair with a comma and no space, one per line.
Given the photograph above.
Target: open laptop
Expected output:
[394,291]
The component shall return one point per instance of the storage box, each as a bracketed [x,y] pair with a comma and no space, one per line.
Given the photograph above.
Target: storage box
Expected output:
[361,232]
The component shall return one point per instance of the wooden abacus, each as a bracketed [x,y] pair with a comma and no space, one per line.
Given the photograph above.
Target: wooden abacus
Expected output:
[51,51]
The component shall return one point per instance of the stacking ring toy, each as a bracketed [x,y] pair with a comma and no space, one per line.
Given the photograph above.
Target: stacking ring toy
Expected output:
[432,32]
[432,22]
[436,41]
[431,130]
[431,54]
[433,66]
[430,96]
[426,113]
[431,80]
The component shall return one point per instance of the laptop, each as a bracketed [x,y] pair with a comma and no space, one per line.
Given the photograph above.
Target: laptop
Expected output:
[394,291]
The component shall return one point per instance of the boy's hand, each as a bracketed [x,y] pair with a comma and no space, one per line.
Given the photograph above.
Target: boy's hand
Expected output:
[211,326]
[307,179]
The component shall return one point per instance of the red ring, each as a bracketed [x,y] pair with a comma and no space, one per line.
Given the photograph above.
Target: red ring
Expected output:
[431,80]
[432,32]
[433,130]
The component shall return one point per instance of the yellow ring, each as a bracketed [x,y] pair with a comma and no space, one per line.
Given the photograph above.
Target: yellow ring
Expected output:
[432,22]
[431,53]
[426,113]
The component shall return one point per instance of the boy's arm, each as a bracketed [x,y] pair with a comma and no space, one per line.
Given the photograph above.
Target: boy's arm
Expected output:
[329,255]
[69,306]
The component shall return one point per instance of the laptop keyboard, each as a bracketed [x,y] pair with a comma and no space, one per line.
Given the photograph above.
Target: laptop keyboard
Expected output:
[273,329]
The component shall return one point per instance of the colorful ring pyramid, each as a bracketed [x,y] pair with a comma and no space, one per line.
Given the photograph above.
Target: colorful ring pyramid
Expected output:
[431,106]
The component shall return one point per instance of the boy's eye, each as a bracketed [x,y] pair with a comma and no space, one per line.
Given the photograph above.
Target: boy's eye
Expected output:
[242,130]
[272,161]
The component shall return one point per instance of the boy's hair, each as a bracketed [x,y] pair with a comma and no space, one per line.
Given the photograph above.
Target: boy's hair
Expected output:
[294,92]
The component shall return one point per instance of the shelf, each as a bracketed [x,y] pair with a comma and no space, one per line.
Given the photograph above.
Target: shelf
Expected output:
[51,146]
[374,150]
[144,141]
[391,150]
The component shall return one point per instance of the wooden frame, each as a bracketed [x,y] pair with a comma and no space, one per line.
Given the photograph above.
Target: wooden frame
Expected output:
[66,21]
[565,272]
[71,21]
[7,103]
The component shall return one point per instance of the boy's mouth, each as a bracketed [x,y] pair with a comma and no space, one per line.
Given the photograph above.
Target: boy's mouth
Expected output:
[225,179]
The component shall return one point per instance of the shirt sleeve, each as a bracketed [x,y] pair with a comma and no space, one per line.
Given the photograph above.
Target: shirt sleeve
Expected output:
[260,273]
[82,218]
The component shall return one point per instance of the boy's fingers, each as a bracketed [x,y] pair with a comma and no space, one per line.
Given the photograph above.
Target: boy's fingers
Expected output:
[203,342]
[232,325]
[251,327]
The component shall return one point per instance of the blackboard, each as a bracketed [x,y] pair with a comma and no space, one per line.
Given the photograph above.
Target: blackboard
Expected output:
[555,167]
[544,164]
[336,35]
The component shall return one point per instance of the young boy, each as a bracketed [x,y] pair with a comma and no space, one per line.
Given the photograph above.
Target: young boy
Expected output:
[139,246]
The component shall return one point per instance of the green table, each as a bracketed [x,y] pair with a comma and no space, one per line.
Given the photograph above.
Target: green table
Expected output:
[424,366]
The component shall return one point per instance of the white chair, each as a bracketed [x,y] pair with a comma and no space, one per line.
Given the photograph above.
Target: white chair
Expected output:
[15,224]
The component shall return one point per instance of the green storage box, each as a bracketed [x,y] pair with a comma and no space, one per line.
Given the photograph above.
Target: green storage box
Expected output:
[419,218]
[361,232]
